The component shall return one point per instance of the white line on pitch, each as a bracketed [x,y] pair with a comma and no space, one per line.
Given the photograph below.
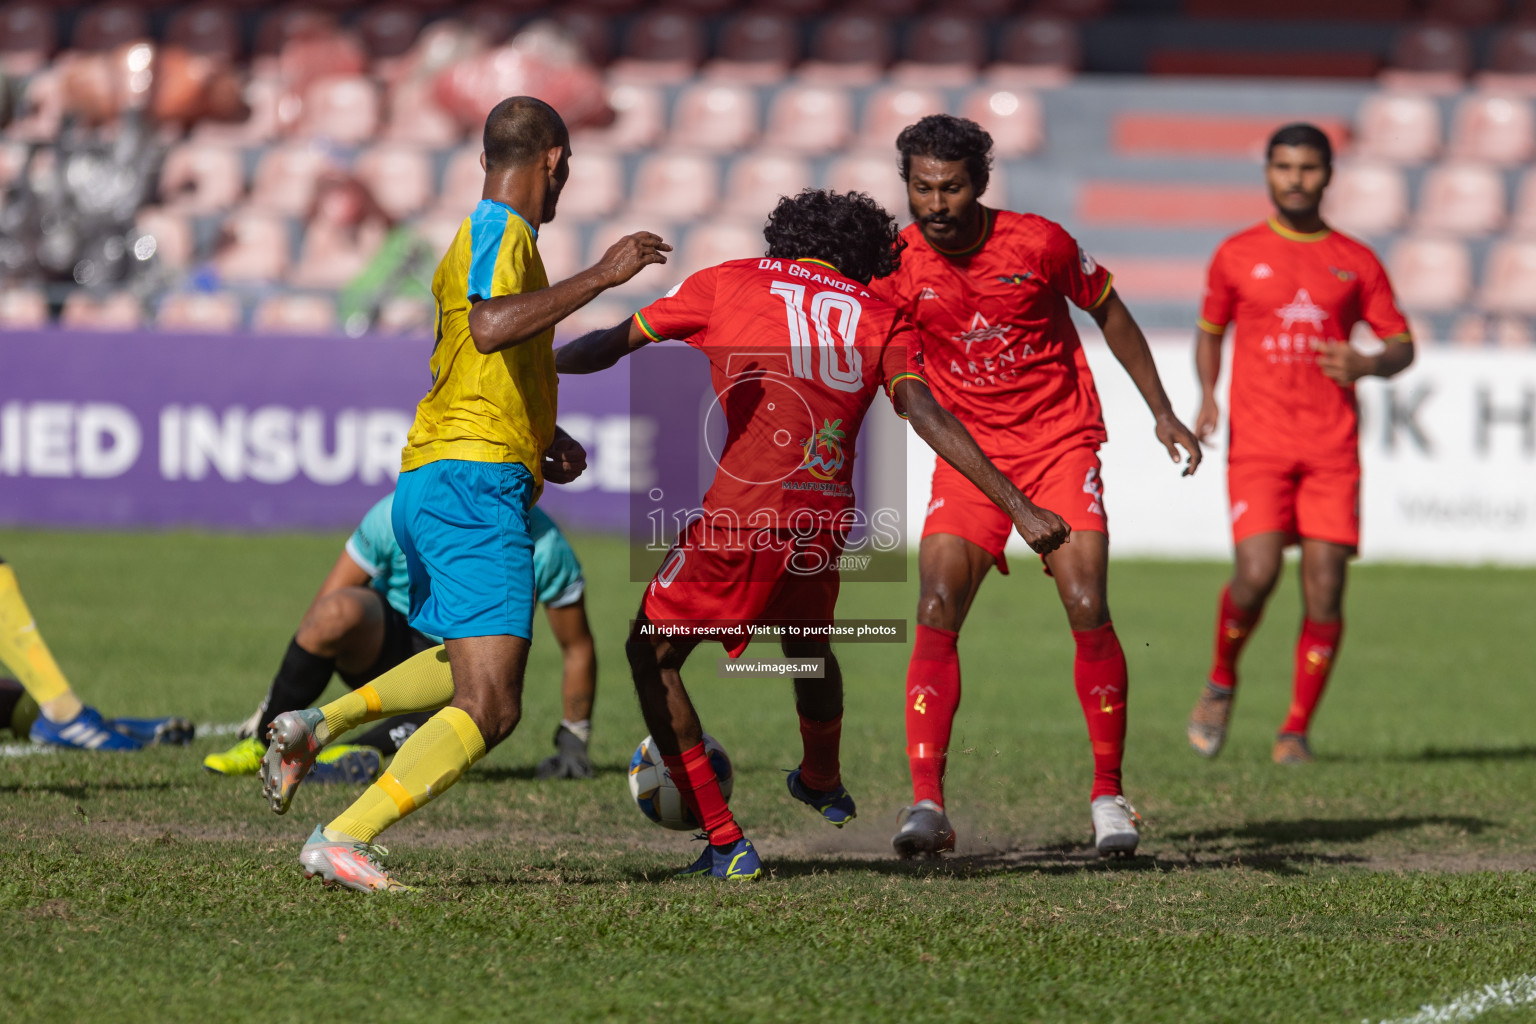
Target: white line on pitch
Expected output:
[1520,991]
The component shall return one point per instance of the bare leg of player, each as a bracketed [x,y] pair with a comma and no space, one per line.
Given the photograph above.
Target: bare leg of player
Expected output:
[818,781]
[1254,573]
[578,687]
[1323,568]
[1081,570]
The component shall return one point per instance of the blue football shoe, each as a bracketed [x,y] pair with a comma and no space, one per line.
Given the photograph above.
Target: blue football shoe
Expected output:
[835,804]
[86,731]
[735,863]
[155,732]
[346,763]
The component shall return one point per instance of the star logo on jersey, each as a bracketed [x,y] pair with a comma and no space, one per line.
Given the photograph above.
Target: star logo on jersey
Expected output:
[1015,278]
[1262,272]
[927,293]
[1302,309]
[981,330]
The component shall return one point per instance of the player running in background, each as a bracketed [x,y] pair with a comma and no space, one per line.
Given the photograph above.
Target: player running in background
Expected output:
[356,627]
[988,290]
[474,463]
[1292,289]
[49,708]
[798,349]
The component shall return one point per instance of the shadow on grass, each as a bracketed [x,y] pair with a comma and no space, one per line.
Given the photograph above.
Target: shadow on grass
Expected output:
[1268,835]
[526,773]
[81,790]
[1525,753]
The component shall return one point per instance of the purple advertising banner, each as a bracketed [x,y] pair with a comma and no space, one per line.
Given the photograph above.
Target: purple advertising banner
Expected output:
[249,432]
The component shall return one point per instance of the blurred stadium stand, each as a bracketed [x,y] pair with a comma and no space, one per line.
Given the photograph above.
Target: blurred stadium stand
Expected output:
[298,168]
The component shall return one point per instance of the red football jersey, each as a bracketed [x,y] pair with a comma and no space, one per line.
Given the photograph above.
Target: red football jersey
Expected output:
[999,347]
[797,352]
[1286,294]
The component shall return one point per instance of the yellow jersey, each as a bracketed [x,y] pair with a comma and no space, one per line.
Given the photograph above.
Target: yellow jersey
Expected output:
[486,408]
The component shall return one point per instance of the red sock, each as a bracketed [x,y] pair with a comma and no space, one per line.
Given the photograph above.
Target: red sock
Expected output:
[1315,650]
[933,694]
[1099,672]
[695,779]
[1233,626]
[818,765]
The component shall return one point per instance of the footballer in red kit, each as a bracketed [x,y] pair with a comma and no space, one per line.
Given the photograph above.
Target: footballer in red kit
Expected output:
[988,291]
[1292,290]
[798,348]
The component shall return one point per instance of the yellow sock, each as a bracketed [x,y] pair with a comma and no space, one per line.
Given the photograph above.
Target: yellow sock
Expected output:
[421,683]
[23,650]
[426,764]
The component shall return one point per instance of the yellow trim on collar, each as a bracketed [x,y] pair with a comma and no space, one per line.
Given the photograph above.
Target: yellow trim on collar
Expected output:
[986,233]
[1298,236]
[819,263]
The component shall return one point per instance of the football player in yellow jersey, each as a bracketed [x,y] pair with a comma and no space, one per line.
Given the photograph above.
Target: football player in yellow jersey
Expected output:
[483,442]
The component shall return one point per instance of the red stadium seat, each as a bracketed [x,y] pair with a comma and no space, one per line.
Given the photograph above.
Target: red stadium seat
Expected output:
[757,181]
[888,9]
[28,37]
[1366,198]
[114,311]
[342,109]
[285,23]
[1433,47]
[986,9]
[172,236]
[704,8]
[675,186]
[1430,275]
[108,26]
[206,28]
[23,308]
[947,39]
[715,118]
[264,94]
[756,47]
[398,176]
[887,111]
[661,46]
[850,49]
[285,177]
[1493,129]
[1509,279]
[463,181]
[211,312]
[810,119]
[202,177]
[795,8]
[1462,199]
[1471,13]
[255,250]
[1077,10]
[639,114]
[1400,128]
[1037,50]
[295,314]
[874,173]
[1514,50]
[595,189]
[1011,116]
[388,29]
[493,22]
[592,30]
[416,118]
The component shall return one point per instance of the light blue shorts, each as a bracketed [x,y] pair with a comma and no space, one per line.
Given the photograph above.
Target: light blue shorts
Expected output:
[468,547]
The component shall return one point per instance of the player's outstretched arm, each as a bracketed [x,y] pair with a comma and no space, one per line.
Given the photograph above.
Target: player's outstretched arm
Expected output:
[1042,529]
[1345,364]
[508,320]
[598,350]
[1208,368]
[1130,347]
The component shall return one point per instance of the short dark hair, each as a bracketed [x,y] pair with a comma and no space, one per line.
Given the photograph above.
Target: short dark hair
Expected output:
[946,137]
[521,129]
[849,230]
[1301,134]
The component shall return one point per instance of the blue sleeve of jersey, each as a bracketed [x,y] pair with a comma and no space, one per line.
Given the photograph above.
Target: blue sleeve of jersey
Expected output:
[372,545]
[487,227]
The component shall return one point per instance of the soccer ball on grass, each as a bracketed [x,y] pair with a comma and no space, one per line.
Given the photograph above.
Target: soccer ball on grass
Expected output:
[650,783]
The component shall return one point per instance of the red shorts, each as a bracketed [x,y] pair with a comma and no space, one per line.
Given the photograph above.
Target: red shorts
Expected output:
[722,581]
[1317,499]
[1066,481]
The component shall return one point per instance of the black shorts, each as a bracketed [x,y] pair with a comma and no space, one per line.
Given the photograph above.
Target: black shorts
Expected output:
[400,642]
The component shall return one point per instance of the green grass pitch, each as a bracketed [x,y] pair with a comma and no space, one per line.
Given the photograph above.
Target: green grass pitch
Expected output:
[1391,873]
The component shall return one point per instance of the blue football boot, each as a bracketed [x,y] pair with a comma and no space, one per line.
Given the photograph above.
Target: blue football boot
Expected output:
[155,732]
[86,731]
[835,804]
[735,863]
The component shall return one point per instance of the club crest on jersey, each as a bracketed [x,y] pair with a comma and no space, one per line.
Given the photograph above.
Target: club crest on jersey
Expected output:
[1015,278]
[1090,265]
[824,456]
[1341,274]
[1302,309]
[981,330]
[1262,272]
[927,293]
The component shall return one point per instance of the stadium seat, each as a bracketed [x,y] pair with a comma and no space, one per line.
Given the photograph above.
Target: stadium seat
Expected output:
[660,47]
[714,118]
[592,30]
[285,178]
[595,189]
[1366,198]
[675,186]
[255,250]
[1493,129]
[264,95]
[717,241]
[942,50]
[206,28]
[1511,332]
[639,114]
[388,29]
[891,10]
[114,311]
[275,29]
[1077,10]
[172,234]
[415,118]
[202,177]
[212,312]
[756,182]
[560,248]
[1037,50]
[874,173]
[108,26]
[399,177]
[343,109]
[463,181]
[1011,116]
[1404,129]
[812,119]
[23,308]
[849,49]
[985,9]
[1514,50]
[1462,199]
[1429,57]
[796,8]
[1430,275]
[28,37]
[492,21]
[1509,278]
[295,314]
[1469,13]
[890,109]
[757,47]
[653,280]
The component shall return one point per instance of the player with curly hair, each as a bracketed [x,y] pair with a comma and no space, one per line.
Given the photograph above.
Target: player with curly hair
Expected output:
[798,348]
[988,291]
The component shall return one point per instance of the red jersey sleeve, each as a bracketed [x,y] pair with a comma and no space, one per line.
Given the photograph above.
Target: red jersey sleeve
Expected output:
[1216,310]
[1074,273]
[1378,306]
[901,360]
[683,312]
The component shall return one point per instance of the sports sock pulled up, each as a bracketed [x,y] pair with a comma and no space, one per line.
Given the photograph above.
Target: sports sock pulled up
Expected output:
[1316,649]
[420,683]
[430,761]
[1233,627]
[22,650]
[696,782]
[1101,679]
[933,696]
[819,741]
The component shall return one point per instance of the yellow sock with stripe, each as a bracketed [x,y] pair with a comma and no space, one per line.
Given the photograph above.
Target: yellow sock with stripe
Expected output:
[427,764]
[23,652]
[421,683]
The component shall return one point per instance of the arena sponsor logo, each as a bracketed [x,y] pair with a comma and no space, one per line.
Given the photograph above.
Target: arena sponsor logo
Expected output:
[1301,309]
[88,440]
[274,444]
[997,367]
[1262,272]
